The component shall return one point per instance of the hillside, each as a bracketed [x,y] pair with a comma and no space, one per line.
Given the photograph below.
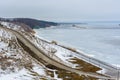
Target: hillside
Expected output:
[33,23]
[24,56]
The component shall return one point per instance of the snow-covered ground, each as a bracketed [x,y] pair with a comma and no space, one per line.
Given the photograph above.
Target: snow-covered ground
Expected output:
[17,64]
[60,54]
[12,26]
[13,60]
[23,74]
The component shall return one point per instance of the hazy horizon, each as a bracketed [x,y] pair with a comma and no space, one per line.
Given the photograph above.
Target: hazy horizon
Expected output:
[62,10]
[80,21]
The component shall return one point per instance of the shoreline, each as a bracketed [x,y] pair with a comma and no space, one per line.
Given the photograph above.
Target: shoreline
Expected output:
[65,46]
[97,44]
[104,65]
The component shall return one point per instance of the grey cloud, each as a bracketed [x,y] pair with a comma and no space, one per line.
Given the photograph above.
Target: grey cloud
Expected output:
[61,10]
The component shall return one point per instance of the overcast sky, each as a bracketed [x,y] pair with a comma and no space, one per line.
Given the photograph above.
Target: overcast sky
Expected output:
[61,10]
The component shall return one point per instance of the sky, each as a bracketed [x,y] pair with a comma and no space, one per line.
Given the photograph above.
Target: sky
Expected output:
[61,10]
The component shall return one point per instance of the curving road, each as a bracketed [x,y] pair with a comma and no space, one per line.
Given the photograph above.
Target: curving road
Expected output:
[41,54]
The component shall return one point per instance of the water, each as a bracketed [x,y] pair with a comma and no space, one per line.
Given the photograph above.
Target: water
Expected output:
[102,43]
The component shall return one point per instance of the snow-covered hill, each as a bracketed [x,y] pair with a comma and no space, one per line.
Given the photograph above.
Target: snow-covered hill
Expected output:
[17,62]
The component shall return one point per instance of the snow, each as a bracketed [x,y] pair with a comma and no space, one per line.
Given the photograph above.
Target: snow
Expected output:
[5,34]
[61,54]
[12,26]
[39,70]
[14,59]
[11,52]
[20,75]
[52,50]
[3,45]
[118,66]
[56,75]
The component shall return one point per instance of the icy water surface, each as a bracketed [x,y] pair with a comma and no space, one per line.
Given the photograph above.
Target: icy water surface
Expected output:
[103,44]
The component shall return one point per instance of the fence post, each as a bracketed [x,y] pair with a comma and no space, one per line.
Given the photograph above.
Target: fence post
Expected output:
[118,75]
